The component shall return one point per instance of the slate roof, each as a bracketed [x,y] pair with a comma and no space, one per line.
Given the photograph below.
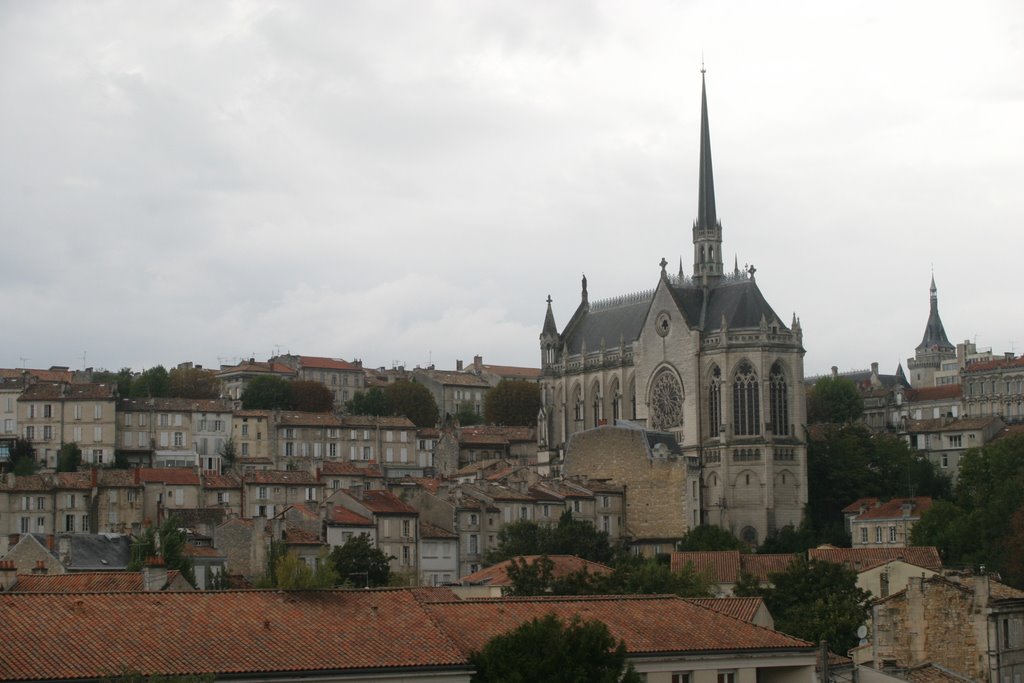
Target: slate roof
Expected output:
[84,582]
[861,558]
[608,323]
[563,565]
[943,391]
[94,552]
[253,632]
[934,333]
[454,378]
[652,624]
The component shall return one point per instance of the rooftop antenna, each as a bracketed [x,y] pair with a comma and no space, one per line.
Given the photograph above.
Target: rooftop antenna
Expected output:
[84,354]
[23,361]
[702,69]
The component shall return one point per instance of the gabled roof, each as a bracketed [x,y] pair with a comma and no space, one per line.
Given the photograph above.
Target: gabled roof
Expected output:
[647,624]
[562,566]
[56,391]
[300,419]
[221,481]
[190,405]
[252,367]
[859,558]
[178,476]
[345,517]
[942,424]
[336,468]
[726,566]
[284,477]
[894,509]
[374,421]
[84,582]
[739,608]
[324,363]
[512,372]
[428,530]
[480,433]
[259,633]
[453,378]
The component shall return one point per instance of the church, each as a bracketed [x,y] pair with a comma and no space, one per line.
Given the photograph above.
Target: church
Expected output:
[703,358]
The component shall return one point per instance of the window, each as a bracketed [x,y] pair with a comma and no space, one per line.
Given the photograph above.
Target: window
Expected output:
[779,400]
[746,405]
[165,419]
[85,523]
[473,520]
[863,534]
[262,494]
[310,493]
[177,419]
[605,502]
[473,544]
[956,440]
[132,495]
[289,448]
[892,534]
[606,524]
[405,555]
[69,523]
[47,410]
[367,453]
[40,524]
[945,460]
[30,433]
[332,450]
[576,505]
[405,528]
[545,510]
[222,497]
[726,677]
[682,677]
[40,503]
[70,499]
[878,534]
[127,419]
[245,449]
[97,434]
[523,512]
[245,429]
[97,411]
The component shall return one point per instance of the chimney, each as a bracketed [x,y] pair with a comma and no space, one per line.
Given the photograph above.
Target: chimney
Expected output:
[874,368]
[154,574]
[8,575]
[458,366]
[95,477]
[40,567]
[64,550]
[835,371]
[981,591]
[478,363]
[49,542]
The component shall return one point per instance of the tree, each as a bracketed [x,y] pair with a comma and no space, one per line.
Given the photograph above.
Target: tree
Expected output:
[710,537]
[547,649]
[291,572]
[467,417]
[69,457]
[228,452]
[649,576]
[360,564]
[834,399]
[369,402]
[152,383]
[412,400]
[569,537]
[788,540]
[268,392]
[310,397]
[166,542]
[192,382]
[23,457]
[513,403]
[818,601]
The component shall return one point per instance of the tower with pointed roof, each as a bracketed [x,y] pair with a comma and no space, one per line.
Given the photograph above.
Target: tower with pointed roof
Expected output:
[703,360]
[934,348]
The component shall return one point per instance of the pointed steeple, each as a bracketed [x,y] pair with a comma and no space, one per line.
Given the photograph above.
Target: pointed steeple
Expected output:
[550,329]
[934,333]
[707,230]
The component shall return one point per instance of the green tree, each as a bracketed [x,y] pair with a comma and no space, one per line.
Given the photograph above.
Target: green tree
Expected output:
[291,572]
[152,383]
[369,402]
[818,601]
[228,452]
[466,416]
[360,564]
[569,537]
[166,542]
[69,457]
[710,537]
[747,586]
[649,576]
[192,382]
[122,379]
[835,400]
[411,400]
[309,396]
[548,649]
[268,392]
[512,402]
[23,457]
[788,540]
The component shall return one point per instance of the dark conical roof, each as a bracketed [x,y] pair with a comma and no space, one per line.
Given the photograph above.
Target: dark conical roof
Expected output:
[934,334]
[707,216]
[550,329]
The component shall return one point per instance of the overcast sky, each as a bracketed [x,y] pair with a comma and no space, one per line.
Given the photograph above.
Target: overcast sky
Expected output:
[408,181]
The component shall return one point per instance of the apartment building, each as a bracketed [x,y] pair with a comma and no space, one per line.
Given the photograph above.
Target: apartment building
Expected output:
[267,492]
[174,432]
[343,378]
[395,525]
[51,414]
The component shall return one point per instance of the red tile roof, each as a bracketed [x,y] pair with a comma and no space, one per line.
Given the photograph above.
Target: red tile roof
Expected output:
[359,468]
[256,368]
[510,371]
[942,424]
[188,405]
[252,632]
[738,608]
[285,477]
[221,481]
[997,364]
[374,421]
[763,565]
[386,503]
[507,433]
[344,516]
[861,558]
[725,566]
[855,506]
[648,624]
[563,565]
[428,530]
[941,392]
[893,509]
[309,419]
[179,476]
[325,363]
[296,536]
[53,391]
[84,582]
[453,378]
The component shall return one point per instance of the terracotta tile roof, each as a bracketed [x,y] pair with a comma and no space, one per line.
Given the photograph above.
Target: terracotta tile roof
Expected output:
[930,673]
[386,503]
[647,624]
[475,439]
[893,509]
[309,420]
[41,375]
[117,478]
[997,364]
[202,551]
[1010,431]
[539,492]
[285,477]
[188,405]
[764,565]
[296,536]
[257,368]
[511,371]
[254,413]
[373,421]
[84,582]
[428,530]
[253,632]
[723,565]
[222,481]
[738,608]
[855,506]
[55,391]
[497,574]
[427,483]
[345,517]
[428,433]
[324,363]
[942,424]
[508,433]
[454,378]
[474,467]
[859,558]
[359,468]
[941,392]
[179,476]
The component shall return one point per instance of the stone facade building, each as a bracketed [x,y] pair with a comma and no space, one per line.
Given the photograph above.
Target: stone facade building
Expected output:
[703,358]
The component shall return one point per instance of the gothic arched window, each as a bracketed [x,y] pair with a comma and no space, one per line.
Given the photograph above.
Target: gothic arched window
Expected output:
[715,403]
[746,404]
[579,405]
[779,400]
[666,401]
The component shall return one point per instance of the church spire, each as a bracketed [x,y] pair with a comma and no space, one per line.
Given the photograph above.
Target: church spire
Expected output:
[934,333]
[707,230]
[550,329]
